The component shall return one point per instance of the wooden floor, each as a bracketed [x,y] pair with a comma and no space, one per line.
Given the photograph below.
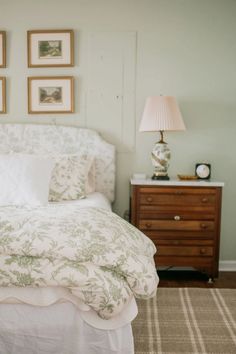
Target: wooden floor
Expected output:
[174,278]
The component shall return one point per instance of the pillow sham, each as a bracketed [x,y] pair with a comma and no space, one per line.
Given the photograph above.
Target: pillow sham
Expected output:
[70,177]
[90,181]
[24,179]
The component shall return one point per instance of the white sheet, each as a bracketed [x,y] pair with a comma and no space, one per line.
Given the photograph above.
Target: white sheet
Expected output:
[58,323]
[45,297]
[95,199]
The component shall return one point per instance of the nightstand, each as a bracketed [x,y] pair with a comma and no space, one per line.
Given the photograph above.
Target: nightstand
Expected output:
[183,220]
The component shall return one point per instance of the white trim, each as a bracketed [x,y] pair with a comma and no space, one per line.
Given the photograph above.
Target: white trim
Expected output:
[198,183]
[224,266]
[227,266]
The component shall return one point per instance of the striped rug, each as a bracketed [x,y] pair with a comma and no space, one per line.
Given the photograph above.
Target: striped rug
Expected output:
[187,320]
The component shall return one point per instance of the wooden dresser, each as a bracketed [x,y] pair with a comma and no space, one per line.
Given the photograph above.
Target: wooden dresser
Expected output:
[182,219]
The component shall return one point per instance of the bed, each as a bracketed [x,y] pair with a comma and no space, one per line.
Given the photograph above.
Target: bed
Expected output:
[70,268]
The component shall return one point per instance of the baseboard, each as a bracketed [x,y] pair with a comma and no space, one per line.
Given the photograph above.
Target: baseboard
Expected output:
[224,266]
[227,266]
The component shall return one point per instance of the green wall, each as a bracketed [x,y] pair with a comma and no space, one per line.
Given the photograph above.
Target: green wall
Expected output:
[184,48]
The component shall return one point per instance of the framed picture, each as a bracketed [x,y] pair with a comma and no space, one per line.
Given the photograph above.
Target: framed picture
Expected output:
[2,95]
[50,48]
[2,49]
[51,94]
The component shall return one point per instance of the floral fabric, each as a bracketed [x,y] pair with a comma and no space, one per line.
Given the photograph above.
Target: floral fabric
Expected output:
[69,177]
[103,259]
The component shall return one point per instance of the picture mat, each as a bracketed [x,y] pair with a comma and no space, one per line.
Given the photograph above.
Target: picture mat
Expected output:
[35,38]
[1,49]
[66,104]
[1,95]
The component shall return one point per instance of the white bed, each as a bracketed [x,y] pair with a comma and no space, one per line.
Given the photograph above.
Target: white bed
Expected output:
[53,319]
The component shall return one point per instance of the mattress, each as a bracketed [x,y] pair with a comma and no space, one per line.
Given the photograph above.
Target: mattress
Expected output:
[52,320]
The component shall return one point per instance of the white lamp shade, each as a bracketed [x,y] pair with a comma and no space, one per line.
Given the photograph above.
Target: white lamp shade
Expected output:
[161,113]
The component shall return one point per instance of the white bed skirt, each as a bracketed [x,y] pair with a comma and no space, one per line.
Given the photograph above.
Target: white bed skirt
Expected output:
[57,329]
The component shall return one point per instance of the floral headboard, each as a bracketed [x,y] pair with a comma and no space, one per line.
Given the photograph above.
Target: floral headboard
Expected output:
[45,139]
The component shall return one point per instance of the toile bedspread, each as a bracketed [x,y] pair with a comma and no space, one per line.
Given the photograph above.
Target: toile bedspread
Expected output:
[91,251]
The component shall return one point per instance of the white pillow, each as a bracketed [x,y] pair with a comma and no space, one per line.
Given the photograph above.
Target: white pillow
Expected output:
[70,177]
[24,179]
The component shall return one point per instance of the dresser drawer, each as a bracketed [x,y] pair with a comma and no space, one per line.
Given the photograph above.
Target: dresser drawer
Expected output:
[200,262]
[179,235]
[183,242]
[185,251]
[189,225]
[190,212]
[173,196]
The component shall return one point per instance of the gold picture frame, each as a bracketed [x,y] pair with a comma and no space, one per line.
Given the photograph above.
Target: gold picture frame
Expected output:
[2,49]
[50,94]
[2,94]
[50,48]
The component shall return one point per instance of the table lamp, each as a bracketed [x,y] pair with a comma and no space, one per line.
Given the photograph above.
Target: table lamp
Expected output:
[161,113]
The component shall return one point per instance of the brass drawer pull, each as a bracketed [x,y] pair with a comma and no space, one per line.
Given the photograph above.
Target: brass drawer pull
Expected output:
[203,226]
[204,200]
[202,251]
[149,199]
[176,242]
[148,225]
[177,217]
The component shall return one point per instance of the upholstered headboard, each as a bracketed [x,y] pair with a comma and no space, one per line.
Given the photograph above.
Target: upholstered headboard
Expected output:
[46,139]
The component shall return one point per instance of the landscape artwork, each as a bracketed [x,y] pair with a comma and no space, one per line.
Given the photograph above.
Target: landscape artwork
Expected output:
[50,49]
[50,95]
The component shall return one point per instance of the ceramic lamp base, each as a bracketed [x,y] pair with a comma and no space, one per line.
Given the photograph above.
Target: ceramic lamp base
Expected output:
[161,178]
[160,160]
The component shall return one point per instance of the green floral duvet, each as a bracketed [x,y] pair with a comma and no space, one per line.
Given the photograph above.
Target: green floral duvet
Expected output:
[90,250]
